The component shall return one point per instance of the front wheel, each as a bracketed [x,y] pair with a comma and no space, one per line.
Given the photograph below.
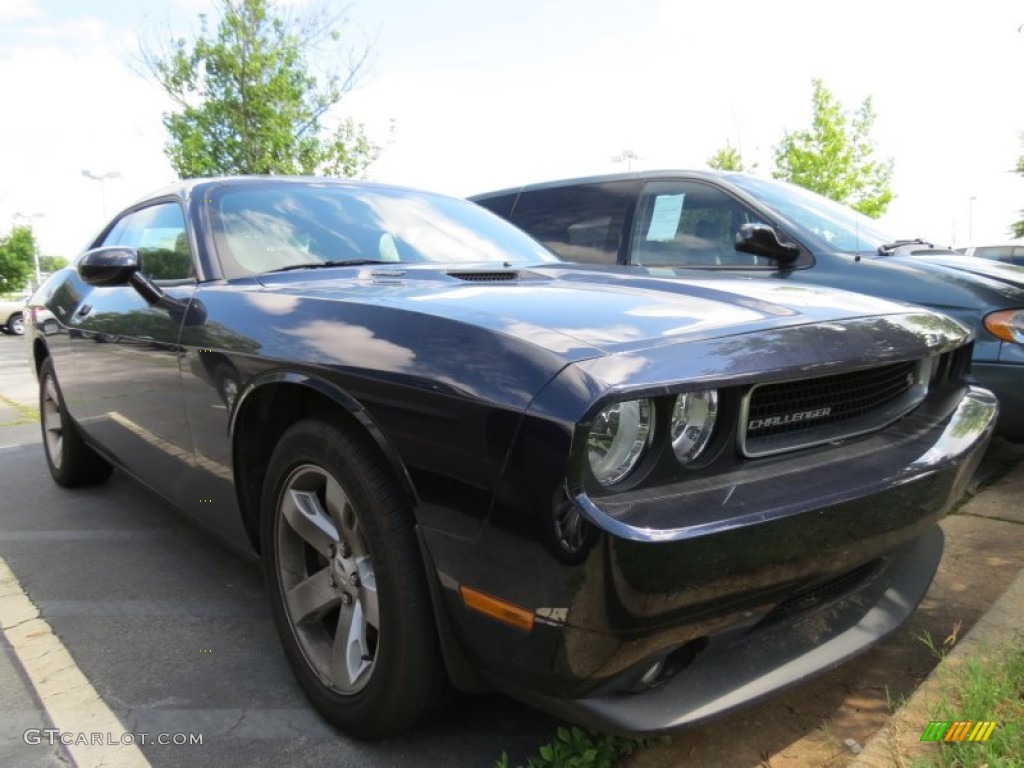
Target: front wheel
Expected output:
[70,460]
[347,585]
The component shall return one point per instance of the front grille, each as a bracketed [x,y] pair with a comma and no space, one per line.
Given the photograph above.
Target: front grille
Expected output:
[796,414]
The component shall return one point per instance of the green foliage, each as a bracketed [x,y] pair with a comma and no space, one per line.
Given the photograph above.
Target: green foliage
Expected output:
[52,263]
[576,748]
[17,259]
[248,103]
[834,157]
[1017,228]
[726,158]
[990,686]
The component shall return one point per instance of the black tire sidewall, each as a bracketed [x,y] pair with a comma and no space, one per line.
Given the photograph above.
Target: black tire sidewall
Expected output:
[79,463]
[60,474]
[402,682]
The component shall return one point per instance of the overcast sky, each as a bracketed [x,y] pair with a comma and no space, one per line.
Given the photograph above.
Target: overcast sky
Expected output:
[486,95]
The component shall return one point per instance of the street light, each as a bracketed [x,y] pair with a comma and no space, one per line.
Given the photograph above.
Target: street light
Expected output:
[102,178]
[970,219]
[35,251]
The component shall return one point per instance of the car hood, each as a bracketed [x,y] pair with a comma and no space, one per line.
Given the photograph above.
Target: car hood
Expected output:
[1005,273]
[580,311]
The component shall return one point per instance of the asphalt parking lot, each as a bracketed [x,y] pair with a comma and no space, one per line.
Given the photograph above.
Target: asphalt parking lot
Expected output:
[173,632]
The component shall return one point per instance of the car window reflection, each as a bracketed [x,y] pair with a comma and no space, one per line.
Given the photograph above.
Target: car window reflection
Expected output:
[279,225]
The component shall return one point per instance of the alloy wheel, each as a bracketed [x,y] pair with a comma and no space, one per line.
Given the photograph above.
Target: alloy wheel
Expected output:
[327,579]
[53,428]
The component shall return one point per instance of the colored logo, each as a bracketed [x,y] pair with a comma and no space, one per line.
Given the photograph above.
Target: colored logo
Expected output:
[958,730]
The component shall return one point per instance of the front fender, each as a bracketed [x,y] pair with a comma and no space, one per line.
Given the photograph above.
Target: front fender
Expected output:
[338,396]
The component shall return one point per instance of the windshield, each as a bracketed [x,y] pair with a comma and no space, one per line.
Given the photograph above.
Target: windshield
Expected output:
[842,228]
[264,227]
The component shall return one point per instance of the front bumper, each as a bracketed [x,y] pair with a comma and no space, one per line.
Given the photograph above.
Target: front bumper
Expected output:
[783,568]
[1006,380]
[738,668]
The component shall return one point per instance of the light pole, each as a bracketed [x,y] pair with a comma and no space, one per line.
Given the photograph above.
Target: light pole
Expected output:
[102,178]
[970,219]
[35,250]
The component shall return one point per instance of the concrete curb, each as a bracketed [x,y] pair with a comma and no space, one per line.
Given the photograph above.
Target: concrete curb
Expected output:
[899,742]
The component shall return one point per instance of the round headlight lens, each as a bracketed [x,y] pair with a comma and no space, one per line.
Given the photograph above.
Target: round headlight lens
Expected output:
[693,421]
[618,438]
[1006,324]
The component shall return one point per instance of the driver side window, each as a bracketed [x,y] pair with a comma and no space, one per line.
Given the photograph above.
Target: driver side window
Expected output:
[158,234]
[690,224]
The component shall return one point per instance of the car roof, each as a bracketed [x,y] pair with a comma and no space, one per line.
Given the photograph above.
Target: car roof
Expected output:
[628,176]
[1007,244]
[187,188]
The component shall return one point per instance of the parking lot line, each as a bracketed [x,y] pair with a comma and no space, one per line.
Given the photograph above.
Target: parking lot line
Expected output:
[73,705]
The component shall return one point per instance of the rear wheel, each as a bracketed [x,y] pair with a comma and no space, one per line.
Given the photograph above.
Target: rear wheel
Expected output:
[347,584]
[70,460]
[16,324]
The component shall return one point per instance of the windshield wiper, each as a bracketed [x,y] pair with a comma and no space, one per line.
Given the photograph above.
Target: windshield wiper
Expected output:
[338,263]
[887,249]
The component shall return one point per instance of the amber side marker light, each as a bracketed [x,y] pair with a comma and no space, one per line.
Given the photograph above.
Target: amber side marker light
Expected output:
[506,613]
[1007,324]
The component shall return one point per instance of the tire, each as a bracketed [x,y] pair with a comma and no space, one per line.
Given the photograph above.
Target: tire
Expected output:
[357,624]
[72,463]
[16,324]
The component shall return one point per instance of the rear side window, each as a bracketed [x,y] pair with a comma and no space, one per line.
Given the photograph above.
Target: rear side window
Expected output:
[499,204]
[690,224]
[580,223]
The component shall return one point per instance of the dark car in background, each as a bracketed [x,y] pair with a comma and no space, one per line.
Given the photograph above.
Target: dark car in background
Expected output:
[1011,253]
[634,502]
[672,222]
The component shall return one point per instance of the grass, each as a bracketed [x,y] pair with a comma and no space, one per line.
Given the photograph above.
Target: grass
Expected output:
[26,414]
[988,686]
[577,748]
[938,650]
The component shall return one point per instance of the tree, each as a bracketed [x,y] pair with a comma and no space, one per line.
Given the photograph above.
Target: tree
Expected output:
[1017,228]
[248,102]
[17,258]
[52,263]
[726,158]
[835,156]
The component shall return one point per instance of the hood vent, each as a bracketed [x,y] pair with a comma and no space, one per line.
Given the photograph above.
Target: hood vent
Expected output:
[484,277]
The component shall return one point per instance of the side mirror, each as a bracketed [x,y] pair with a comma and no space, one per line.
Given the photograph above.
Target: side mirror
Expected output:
[113,265]
[762,240]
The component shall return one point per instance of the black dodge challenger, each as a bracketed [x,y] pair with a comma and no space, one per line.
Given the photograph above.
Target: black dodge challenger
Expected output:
[633,502]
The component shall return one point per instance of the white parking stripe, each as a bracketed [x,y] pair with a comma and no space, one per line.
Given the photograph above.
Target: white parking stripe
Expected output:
[72,703]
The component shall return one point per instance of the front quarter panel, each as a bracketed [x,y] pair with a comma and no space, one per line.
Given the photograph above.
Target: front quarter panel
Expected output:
[445,397]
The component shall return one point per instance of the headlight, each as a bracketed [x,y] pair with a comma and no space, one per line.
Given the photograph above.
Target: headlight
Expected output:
[618,438]
[693,421]
[1007,324]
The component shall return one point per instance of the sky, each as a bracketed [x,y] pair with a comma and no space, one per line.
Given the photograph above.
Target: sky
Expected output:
[485,95]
